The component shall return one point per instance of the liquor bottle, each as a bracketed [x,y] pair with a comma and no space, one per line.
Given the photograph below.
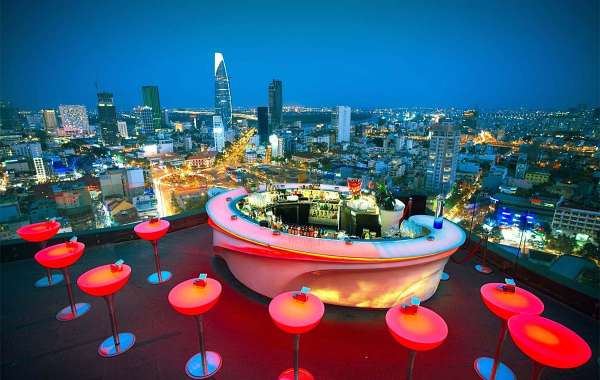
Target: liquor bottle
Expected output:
[439,213]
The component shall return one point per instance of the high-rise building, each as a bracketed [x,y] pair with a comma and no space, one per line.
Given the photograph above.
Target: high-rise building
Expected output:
[222,91]
[111,183]
[152,100]
[75,121]
[277,146]
[218,133]
[443,158]
[40,169]
[275,104]
[9,117]
[522,166]
[144,121]
[50,122]
[340,119]
[29,150]
[122,128]
[134,182]
[264,128]
[107,118]
[470,120]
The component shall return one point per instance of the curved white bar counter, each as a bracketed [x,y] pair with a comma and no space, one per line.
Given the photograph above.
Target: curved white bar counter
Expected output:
[378,273]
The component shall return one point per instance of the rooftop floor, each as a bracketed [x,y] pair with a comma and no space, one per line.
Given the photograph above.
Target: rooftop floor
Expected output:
[347,344]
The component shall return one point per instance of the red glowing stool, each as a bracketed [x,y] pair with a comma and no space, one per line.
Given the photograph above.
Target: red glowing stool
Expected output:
[41,233]
[62,256]
[416,328]
[153,230]
[195,297]
[105,281]
[296,313]
[548,343]
[504,300]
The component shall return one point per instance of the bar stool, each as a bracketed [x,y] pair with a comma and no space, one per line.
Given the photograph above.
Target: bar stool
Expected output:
[105,281]
[416,328]
[41,233]
[153,230]
[62,256]
[296,313]
[195,297]
[548,343]
[505,301]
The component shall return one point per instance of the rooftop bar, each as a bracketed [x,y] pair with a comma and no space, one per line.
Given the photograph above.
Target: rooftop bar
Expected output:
[323,237]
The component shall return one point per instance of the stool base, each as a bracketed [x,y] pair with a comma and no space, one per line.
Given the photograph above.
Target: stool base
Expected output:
[303,374]
[43,282]
[193,367]
[66,314]
[153,278]
[445,276]
[483,367]
[108,349]
[483,269]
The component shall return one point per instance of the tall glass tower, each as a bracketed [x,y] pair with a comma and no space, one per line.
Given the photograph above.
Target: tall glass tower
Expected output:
[107,118]
[152,99]
[222,92]
[275,104]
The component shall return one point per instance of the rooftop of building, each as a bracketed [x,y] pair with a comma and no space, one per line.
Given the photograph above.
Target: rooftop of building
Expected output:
[349,343]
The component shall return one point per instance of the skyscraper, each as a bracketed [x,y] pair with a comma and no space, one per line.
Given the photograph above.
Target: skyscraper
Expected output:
[264,128]
[144,120]
[50,122]
[122,127]
[341,121]
[443,157]
[275,104]
[222,91]
[107,118]
[218,133]
[152,100]
[75,121]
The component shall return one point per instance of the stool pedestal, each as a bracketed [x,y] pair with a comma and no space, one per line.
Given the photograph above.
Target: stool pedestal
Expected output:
[296,373]
[74,310]
[118,343]
[205,363]
[51,279]
[492,368]
[159,276]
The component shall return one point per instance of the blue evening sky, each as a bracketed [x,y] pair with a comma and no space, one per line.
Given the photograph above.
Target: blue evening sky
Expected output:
[487,54]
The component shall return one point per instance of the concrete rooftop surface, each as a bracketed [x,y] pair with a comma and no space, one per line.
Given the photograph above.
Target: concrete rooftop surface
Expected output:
[347,344]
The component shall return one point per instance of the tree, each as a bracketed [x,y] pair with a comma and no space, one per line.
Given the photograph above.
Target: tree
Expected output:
[590,251]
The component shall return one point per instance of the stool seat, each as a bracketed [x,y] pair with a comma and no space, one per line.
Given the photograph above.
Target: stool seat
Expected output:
[102,281]
[507,304]
[421,331]
[294,316]
[190,299]
[152,230]
[38,232]
[547,342]
[60,255]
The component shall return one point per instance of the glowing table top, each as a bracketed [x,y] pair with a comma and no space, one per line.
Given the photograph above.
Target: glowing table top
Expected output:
[60,255]
[152,230]
[190,299]
[506,304]
[294,316]
[421,331]
[102,281]
[547,342]
[221,208]
[39,232]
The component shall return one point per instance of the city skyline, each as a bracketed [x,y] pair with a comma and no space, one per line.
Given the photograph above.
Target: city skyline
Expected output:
[440,65]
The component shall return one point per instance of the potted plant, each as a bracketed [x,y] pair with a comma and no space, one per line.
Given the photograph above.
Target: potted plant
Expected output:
[391,210]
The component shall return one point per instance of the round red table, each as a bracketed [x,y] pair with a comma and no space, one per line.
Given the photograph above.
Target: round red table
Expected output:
[105,281]
[548,343]
[62,256]
[296,316]
[195,297]
[153,230]
[504,305]
[41,233]
[422,331]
